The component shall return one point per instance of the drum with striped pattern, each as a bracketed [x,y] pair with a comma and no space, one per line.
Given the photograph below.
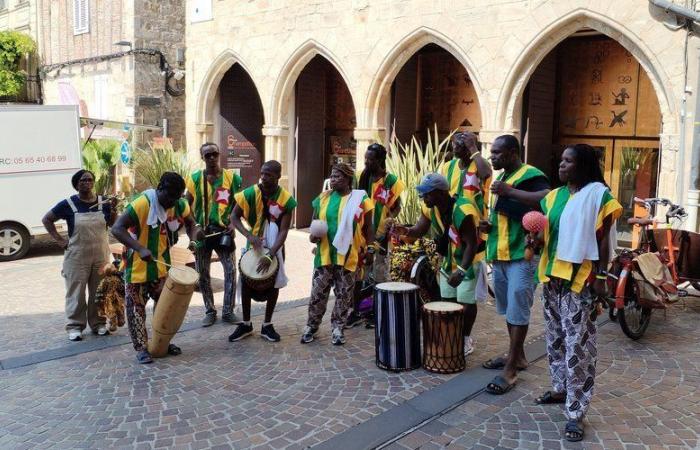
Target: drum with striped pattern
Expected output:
[397,330]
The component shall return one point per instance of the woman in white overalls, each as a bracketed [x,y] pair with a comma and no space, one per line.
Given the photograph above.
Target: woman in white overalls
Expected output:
[86,251]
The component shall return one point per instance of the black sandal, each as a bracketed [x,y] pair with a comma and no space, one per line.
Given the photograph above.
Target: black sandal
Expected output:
[550,398]
[495,363]
[174,350]
[499,386]
[573,432]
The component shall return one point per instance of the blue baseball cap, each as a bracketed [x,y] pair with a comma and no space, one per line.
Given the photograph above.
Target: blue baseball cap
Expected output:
[432,182]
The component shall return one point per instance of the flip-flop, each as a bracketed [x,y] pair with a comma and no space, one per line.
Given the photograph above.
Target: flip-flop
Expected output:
[573,432]
[548,398]
[499,386]
[174,350]
[497,364]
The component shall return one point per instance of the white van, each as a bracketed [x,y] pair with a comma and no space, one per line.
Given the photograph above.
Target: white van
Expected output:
[39,152]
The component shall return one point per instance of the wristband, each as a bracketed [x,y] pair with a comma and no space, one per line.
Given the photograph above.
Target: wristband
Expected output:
[601,277]
[471,158]
[267,257]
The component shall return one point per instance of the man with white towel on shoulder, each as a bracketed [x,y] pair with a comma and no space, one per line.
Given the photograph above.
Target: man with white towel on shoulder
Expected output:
[347,213]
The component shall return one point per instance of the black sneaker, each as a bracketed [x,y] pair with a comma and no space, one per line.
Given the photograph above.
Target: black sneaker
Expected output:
[268,332]
[354,320]
[243,330]
[308,335]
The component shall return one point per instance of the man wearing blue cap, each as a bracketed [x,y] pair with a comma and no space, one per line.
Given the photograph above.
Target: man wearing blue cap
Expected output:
[453,222]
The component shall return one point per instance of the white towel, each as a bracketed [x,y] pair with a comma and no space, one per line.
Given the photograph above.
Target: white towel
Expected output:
[344,234]
[270,236]
[157,214]
[577,226]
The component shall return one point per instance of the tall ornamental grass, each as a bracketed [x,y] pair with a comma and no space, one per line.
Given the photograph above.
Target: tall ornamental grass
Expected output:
[149,164]
[410,162]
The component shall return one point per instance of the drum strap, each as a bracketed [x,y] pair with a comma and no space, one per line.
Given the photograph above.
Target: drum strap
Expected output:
[205,183]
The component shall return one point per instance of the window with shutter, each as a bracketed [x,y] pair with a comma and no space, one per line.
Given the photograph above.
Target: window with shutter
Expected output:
[81,17]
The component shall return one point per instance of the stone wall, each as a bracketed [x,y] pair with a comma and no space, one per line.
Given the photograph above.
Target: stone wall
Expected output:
[159,24]
[500,42]
[130,88]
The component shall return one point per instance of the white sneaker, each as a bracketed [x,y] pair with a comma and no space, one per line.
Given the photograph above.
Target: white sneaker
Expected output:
[102,330]
[75,335]
[468,345]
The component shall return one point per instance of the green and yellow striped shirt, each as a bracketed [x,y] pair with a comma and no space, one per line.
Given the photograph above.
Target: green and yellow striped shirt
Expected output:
[466,183]
[506,240]
[153,238]
[463,209]
[550,266]
[385,192]
[220,195]
[329,207]
[250,200]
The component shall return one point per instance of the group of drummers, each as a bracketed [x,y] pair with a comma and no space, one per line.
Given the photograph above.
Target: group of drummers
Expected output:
[472,219]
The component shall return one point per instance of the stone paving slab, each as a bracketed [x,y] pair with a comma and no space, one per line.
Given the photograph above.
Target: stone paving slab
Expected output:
[246,394]
[32,316]
[647,396]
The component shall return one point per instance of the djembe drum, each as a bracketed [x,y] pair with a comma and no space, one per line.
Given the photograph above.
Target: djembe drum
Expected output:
[248,266]
[171,308]
[397,330]
[443,337]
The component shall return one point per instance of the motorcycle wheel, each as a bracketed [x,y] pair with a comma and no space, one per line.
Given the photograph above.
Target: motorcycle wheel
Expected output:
[634,318]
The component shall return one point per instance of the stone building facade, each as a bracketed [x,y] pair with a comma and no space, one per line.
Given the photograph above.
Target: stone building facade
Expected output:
[128,88]
[505,47]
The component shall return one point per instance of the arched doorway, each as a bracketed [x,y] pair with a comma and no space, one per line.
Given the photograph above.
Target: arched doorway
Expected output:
[324,126]
[590,89]
[240,123]
[433,89]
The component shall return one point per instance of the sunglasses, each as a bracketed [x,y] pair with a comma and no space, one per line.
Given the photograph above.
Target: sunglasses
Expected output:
[211,155]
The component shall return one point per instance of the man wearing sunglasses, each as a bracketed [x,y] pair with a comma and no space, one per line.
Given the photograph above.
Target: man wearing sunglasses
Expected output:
[210,194]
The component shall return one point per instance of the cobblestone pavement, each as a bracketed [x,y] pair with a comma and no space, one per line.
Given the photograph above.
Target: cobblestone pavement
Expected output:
[255,394]
[647,395]
[32,316]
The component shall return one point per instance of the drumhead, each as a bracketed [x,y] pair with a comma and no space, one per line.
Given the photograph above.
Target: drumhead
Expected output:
[396,286]
[183,275]
[443,306]
[249,266]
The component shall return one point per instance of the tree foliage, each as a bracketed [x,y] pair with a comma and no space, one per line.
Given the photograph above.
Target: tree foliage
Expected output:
[13,46]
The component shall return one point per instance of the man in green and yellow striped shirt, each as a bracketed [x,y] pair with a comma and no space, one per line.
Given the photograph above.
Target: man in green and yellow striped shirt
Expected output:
[453,221]
[210,195]
[516,191]
[267,209]
[347,214]
[146,227]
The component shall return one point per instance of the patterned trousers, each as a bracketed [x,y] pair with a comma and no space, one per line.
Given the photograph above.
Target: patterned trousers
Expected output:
[136,295]
[203,264]
[343,282]
[571,345]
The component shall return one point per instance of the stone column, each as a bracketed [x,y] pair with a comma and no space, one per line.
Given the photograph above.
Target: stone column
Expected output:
[205,133]
[276,147]
[364,137]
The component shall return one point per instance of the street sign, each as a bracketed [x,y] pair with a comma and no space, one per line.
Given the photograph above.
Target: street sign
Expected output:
[125,152]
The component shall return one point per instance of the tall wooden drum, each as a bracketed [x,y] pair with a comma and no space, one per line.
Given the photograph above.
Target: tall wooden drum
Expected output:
[397,330]
[443,338]
[171,308]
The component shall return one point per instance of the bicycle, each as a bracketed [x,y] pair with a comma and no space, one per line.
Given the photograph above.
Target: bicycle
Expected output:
[675,249]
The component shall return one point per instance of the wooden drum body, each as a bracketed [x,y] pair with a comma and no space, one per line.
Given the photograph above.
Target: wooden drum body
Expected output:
[443,338]
[397,330]
[248,267]
[171,308]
